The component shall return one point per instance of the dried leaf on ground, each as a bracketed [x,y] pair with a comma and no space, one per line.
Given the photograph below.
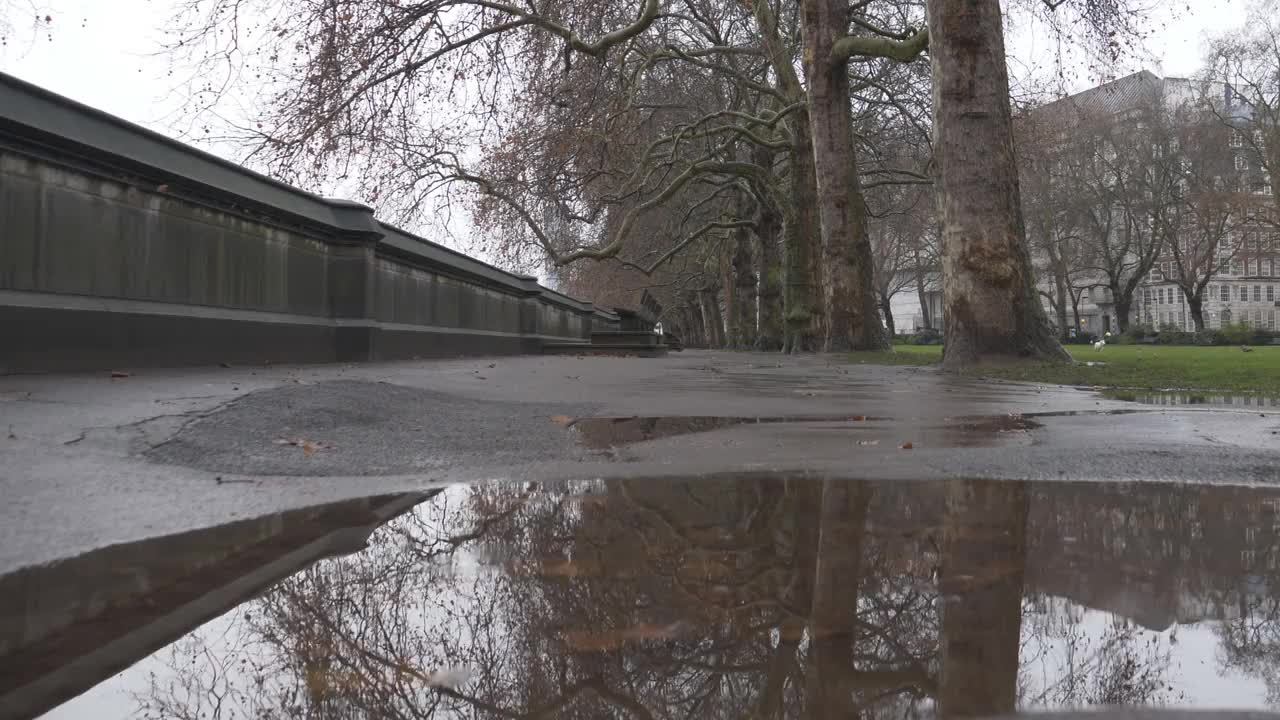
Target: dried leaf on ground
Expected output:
[906,446]
[308,446]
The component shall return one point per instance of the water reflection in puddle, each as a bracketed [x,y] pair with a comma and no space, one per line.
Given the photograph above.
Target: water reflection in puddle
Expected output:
[606,432]
[966,431]
[1204,399]
[714,597]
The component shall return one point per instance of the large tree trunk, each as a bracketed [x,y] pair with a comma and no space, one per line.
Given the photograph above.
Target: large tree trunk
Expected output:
[984,549]
[886,307]
[848,298]
[744,281]
[730,286]
[1061,289]
[1195,305]
[697,323]
[770,335]
[803,237]
[712,319]
[802,298]
[1124,307]
[989,298]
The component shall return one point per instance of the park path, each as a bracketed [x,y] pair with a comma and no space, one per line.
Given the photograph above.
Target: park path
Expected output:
[91,460]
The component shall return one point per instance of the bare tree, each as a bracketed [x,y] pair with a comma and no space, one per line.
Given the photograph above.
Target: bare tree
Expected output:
[1211,202]
[1053,214]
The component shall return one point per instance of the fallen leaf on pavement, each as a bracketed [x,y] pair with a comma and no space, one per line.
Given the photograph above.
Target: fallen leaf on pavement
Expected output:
[562,420]
[308,446]
[906,446]
[119,374]
[858,418]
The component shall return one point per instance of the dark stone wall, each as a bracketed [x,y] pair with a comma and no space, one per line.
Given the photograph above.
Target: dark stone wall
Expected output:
[120,247]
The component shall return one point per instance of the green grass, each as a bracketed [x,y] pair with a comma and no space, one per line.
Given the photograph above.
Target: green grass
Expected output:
[901,355]
[1150,367]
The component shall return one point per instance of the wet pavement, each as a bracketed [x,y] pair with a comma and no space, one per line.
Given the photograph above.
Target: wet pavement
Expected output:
[727,596]
[702,535]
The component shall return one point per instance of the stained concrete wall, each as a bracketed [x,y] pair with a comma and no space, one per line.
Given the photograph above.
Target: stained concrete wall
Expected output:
[119,246]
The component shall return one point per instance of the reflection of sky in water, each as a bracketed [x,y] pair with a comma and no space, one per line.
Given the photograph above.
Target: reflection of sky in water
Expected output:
[470,602]
[1195,674]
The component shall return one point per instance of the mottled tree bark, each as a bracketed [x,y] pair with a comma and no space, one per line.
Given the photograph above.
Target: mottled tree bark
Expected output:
[697,328]
[803,242]
[886,307]
[744,292]
[802,296]
[852,322]
[984,549]
[989,298]
[769,232]
[712,319]
[1195,306]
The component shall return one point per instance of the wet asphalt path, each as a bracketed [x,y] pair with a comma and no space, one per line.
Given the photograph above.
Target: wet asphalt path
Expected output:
[88,460]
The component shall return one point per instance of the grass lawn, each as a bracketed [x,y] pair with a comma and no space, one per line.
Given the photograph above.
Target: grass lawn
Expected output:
[1154,367]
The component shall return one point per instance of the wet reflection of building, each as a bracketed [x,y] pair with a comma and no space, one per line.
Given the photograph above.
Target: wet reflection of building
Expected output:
[757,597]
[66,626]
[1160,554]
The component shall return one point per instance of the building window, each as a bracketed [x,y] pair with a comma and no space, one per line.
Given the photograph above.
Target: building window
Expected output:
[1235,267]
[1273,267]
[1248,267]
[1160,295]
[1246,559]
[1257,293]
[1271,293]
[1226,293]
[1241,163]
[1244,293]
[1236,139]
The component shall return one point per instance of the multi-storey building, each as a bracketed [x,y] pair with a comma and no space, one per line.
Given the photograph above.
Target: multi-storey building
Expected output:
[1242,256]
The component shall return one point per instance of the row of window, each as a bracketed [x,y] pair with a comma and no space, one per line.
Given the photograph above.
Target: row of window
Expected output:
[1225,293]
[1269,267]
[1258,319]
[1237,138]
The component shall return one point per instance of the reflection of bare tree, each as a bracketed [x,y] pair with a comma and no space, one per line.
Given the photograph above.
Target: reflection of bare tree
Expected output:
[724,598]
[1251,642]
[1123,666]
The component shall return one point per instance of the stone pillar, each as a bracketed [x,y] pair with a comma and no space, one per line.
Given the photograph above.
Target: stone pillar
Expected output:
[352,282]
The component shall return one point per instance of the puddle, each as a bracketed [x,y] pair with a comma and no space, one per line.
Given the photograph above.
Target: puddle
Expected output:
[743,596]
[599,433]
[1187,398]
[606,432]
